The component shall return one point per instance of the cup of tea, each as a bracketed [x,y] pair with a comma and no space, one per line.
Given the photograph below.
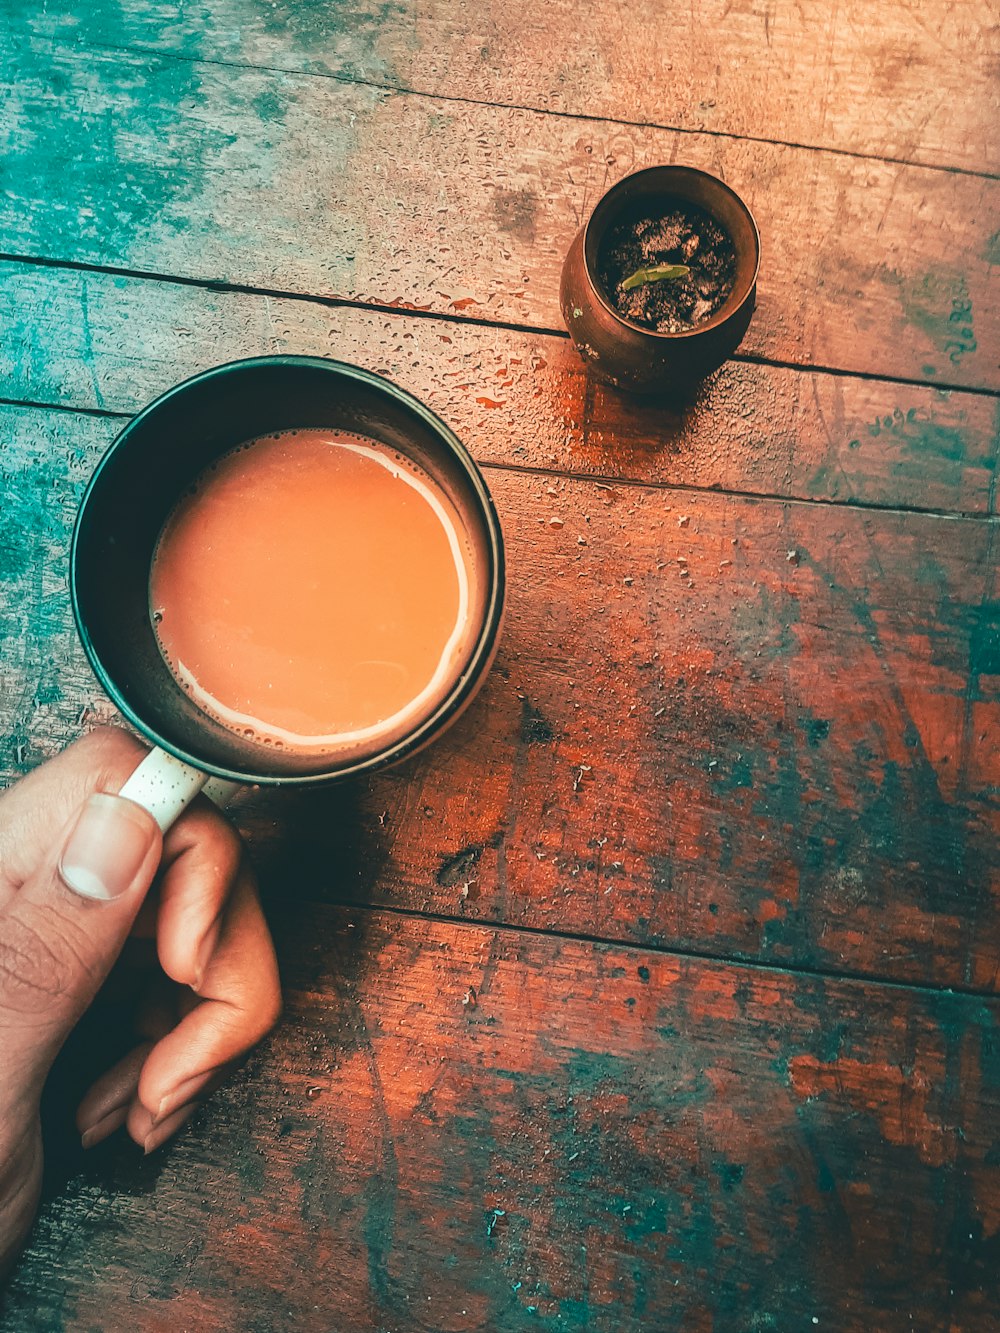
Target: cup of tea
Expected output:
[285,571]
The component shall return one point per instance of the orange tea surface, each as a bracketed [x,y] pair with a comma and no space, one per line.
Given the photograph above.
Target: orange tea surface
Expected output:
[313,591]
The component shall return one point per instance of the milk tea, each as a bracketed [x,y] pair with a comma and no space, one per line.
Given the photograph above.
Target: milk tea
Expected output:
[312,592]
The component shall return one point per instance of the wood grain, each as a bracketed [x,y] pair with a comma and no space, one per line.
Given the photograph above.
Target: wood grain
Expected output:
[460,1129]
[564,1046]
[896,80]
[168,165]
[742,727]
[95,341]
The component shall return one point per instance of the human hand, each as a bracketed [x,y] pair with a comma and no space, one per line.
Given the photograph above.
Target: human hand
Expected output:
[75,869]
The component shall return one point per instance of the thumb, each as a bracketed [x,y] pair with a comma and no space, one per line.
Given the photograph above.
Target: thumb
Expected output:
[65,926]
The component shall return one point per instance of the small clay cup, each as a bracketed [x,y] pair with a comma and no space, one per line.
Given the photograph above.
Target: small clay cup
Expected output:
[624,354]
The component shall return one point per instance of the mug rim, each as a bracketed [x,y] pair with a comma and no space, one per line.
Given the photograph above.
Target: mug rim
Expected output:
[464,686]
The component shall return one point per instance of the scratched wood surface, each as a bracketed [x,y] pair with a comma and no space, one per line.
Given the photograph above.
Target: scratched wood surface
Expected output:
[566,1044]
[69,339]
[181,167]
[736,726]
[460,1129]
[898,80]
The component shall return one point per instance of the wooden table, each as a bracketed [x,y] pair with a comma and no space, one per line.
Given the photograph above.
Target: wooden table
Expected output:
[662,994]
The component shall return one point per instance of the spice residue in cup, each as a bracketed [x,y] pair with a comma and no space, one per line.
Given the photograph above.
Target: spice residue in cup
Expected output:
[667,268]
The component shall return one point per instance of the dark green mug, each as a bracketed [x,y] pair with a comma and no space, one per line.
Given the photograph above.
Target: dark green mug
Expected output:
[133,490]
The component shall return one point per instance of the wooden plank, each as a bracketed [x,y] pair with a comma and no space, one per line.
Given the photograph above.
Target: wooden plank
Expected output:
[45,459]
[745,728]
[462,1129]
[892,82]
[311,185]
[68,338]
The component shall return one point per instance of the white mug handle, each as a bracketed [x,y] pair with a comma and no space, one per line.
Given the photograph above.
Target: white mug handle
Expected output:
[166,786]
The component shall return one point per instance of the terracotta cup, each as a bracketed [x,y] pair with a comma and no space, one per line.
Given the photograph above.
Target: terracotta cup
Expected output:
[624,354]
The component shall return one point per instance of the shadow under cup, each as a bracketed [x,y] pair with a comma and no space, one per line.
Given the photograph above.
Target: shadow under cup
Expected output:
[158,456]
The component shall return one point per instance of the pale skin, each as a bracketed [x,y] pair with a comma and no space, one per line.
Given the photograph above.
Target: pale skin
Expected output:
[189,915]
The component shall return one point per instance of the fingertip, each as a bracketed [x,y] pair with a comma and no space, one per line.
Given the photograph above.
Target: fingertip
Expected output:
[113,1091]
[165,1129]
[198,1085]
[161,1074]
[139,1122]
[103,1128]
[113,846]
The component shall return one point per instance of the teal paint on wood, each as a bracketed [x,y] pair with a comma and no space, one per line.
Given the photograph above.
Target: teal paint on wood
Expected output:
[683,791]
[728,725]
[399,202]
[941,306]
[91,340]
[985,646]
[908,90]
[61,123]
[161,157]
[45,458]
[729,1166]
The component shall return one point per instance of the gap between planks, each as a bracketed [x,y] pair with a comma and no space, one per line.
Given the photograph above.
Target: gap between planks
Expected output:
[663,950]
[409,91]
[605,479]
[415,312]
